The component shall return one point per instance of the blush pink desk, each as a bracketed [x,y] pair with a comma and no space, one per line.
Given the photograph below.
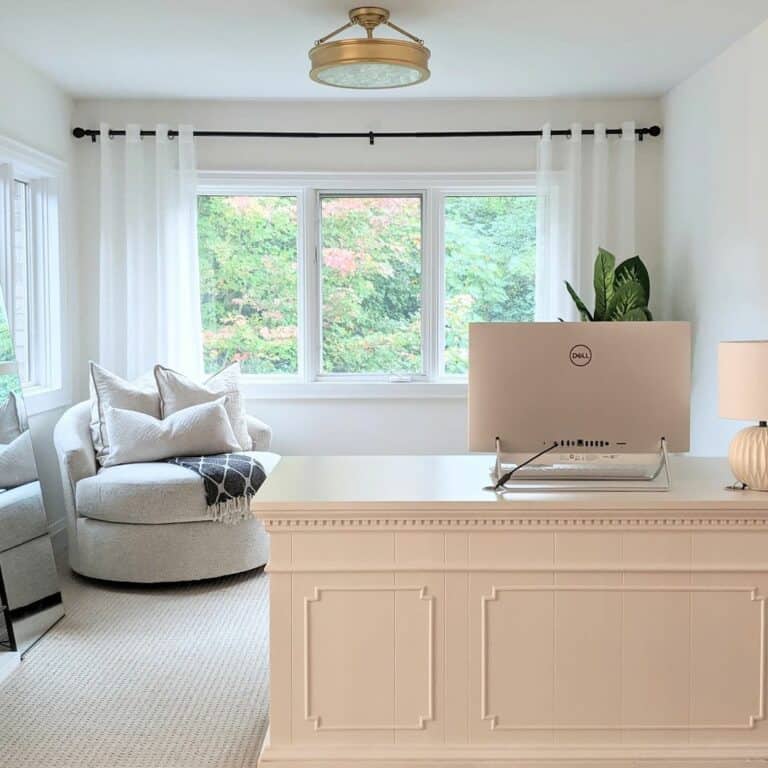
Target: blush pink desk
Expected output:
[417,620]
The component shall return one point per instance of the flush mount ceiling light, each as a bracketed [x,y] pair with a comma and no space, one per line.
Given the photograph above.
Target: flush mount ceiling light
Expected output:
[369,62]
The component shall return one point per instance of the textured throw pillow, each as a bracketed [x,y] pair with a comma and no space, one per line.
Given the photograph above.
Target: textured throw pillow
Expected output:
[110,391]
[11,425]
[17,462]
[196,431]
[178,391]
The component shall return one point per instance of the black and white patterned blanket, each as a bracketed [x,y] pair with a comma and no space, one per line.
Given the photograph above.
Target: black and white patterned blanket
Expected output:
[230,480]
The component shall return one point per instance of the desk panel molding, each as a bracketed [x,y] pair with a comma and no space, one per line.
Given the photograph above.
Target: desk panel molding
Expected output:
[317,719]
[759,672]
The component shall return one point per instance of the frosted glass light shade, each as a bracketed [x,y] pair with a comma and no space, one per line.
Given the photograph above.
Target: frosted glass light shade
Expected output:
[743,380]
[369,74]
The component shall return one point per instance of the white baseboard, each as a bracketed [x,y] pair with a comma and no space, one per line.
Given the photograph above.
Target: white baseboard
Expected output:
[492,756]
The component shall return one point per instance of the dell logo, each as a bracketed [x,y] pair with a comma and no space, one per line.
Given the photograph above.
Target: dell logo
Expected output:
[581,355]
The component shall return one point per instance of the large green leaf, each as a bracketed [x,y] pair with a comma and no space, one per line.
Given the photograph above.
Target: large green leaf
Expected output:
[629,295]
[634,269]
[636,315]
[580,305]
[604,283]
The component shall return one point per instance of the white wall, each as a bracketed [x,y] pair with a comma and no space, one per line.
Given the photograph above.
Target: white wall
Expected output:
[33,109]
[715,270]
[36,112]
[360,426]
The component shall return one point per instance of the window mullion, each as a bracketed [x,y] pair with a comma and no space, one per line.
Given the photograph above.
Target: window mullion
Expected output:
[430,287]
[37,318]
[438,224]
[312,331]
[305,340]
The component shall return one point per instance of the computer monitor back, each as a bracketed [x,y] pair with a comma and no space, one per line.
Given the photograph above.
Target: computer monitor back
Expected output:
[590,387]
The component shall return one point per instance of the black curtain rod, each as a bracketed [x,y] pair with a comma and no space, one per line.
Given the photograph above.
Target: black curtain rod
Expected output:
[80,133]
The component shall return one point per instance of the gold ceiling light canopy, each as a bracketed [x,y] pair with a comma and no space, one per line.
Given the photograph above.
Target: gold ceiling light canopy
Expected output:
[369,62]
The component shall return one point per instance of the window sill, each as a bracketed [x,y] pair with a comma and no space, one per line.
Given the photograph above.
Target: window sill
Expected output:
[41,399]
[353,390]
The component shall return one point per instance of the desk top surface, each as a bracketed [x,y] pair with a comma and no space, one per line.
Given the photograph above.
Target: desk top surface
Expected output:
[445,483]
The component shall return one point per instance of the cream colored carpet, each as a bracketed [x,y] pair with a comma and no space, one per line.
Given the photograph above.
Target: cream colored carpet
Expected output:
[144,677]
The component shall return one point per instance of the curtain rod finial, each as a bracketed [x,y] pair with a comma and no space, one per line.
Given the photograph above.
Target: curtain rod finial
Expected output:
[80,133]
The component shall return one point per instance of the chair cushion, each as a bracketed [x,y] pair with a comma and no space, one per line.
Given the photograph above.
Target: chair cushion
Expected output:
[153,492]
[22,516]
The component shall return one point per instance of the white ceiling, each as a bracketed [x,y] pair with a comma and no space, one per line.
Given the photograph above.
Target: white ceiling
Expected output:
[480,48]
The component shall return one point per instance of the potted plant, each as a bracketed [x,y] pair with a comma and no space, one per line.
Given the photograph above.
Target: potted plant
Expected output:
[621,293]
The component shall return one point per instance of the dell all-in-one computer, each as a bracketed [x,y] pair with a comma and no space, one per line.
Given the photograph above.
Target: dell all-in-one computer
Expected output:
[597,400]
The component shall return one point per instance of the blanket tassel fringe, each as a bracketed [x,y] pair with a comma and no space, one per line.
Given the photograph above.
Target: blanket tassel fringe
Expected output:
[231,511]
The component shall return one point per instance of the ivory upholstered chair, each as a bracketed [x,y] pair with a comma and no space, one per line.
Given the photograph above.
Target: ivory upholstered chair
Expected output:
[147,522]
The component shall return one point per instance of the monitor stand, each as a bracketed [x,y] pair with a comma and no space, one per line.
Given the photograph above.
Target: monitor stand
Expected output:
[625,473]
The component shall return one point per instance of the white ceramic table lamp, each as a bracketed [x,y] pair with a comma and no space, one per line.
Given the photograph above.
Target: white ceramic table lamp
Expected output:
[743,373]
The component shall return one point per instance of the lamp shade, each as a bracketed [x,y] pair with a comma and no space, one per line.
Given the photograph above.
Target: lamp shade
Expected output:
[743,377]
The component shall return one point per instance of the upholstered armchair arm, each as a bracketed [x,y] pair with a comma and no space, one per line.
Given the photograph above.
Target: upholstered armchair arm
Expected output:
[261,433]
[74,449]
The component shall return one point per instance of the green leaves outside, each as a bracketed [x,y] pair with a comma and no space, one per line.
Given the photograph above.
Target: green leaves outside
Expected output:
[370,263]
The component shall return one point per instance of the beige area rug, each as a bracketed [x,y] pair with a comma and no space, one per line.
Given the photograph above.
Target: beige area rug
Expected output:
[144,677]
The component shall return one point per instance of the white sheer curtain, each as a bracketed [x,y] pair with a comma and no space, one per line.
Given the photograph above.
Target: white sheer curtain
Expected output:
[149,297]
[582,205]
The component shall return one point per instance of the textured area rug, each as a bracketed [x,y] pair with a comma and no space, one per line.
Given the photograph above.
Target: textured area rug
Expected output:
[144,677]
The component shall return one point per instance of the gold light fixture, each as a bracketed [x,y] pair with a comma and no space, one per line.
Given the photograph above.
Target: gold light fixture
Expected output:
[369,62]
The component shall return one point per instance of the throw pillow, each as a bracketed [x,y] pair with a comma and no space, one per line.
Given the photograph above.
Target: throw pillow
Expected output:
[196,431]
[17,462]
[178,391]
[110,391]
[10,420]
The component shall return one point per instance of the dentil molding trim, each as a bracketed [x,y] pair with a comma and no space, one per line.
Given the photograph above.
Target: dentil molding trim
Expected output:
[616,522]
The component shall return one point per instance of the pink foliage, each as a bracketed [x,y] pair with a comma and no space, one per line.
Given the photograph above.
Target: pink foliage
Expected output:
[390,205]
[250,204]
[342,260]
[278,334]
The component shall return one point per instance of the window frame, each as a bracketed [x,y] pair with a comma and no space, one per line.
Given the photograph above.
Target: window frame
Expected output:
[235,189]
[47,211]
[28,377]
[309,382]
[426,330]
